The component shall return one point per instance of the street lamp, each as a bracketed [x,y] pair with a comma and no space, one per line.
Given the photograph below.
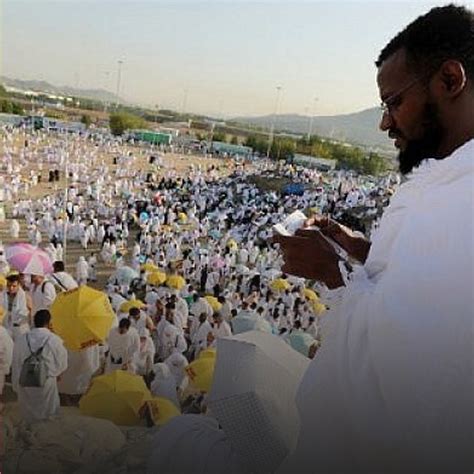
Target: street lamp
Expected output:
[272,127]
[119,77]
[310,127]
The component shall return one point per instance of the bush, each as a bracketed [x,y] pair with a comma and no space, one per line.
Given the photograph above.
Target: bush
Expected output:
[121,121]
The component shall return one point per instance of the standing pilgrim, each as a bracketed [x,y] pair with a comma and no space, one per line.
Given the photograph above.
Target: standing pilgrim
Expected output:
[15,303]
[391,389]
[6,353]
[124,343]
[43,293]
[82,271]
[36,384]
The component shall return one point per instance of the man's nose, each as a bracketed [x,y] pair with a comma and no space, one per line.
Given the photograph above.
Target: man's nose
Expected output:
[385,121]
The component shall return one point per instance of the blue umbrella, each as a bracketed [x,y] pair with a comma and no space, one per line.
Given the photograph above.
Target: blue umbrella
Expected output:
[300,341]
[124,275]
[215,234]
[246,321]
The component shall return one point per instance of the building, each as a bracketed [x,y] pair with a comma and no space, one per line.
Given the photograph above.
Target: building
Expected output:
[322,164]
[149,136]
[10,119]
[229,149]
[39,122]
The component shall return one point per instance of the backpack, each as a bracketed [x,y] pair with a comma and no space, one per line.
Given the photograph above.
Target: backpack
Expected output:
[33,370]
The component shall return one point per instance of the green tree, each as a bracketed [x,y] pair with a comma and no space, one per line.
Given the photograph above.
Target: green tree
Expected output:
[257,143]
[234,140]
[86,120]
[218,137]
[6,107]
[3,91]
[17,109]
[119,122]
[283,149]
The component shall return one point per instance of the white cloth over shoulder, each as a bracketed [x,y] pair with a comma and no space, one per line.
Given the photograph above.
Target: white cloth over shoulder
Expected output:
[81,366]
[39,403]
[6,354]
[392,389]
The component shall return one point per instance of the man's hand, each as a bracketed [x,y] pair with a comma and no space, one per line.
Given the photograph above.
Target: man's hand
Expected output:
[356,246]
[311,257]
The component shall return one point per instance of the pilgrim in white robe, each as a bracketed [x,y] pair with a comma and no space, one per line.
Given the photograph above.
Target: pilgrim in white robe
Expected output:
[17,314]
[122,349]
[391,387]
[81,366]
[6,354]
[39,403]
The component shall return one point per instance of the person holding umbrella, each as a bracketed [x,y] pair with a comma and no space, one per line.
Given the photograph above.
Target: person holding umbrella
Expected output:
[43,293]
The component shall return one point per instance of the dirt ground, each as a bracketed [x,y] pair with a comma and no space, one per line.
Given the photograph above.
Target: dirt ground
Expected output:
[171,161]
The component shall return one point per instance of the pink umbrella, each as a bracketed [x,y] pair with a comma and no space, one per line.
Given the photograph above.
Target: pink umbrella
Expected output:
[28,259]
[217,262]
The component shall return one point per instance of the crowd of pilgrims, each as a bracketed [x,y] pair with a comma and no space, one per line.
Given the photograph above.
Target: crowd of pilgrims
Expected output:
[211,225]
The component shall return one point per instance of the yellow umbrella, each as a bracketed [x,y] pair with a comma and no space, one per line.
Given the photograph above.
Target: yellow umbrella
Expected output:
[280,284]
[149,267]
[156,278]
[232,244]
[207,353]
[201,373]
[310,295]
[175,281]
[214,303]
[118,397]
[82,317]
[318,308]
[183,218]
[128,305]
[162,410]
[3,281]
[2,314]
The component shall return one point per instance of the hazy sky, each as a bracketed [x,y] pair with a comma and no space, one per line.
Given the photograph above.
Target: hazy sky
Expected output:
[230,56]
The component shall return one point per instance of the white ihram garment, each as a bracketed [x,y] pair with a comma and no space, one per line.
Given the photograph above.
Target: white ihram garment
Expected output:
[391,388]
[39,403]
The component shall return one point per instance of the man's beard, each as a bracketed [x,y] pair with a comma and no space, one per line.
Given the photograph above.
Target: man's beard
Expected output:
[425,147]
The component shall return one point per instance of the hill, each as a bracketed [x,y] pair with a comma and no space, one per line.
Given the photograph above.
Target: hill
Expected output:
[359,128]
[46,87]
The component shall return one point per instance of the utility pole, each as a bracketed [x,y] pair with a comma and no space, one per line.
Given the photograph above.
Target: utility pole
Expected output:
[272,127]
[119,77]
[310,127]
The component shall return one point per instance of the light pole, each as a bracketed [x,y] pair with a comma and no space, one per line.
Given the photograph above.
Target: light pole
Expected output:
[310,126]
[119,77]
[272,127]
[185,99]
[66,193]
[106,87]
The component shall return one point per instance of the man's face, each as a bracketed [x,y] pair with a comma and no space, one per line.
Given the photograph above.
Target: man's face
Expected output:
[413,120]
[12,287]
[36,279]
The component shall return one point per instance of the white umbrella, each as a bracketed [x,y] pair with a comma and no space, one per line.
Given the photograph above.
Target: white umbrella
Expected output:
[253,397]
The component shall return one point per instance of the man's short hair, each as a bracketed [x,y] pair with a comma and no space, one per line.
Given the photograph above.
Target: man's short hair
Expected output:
[58,266]
[441,34]
[124,323]
[133,311]
[15,277]
[42,318]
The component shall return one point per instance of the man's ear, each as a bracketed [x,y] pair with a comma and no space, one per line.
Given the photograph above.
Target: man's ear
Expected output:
[452,78]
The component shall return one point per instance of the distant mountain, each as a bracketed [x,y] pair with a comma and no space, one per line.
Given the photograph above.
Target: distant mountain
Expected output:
[360,128]
[43,86]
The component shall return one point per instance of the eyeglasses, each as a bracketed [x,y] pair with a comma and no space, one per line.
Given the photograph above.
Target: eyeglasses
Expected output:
[390,104]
